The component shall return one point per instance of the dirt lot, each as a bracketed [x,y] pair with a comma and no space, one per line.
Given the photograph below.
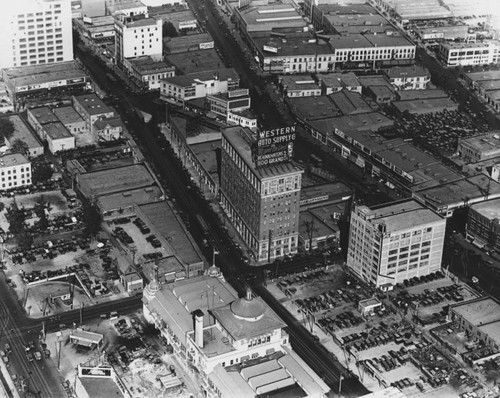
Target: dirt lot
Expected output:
[140,375]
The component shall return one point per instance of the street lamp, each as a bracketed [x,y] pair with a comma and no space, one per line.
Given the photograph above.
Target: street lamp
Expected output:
[58,347]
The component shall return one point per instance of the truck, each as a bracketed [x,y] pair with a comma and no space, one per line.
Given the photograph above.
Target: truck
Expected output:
[38,355]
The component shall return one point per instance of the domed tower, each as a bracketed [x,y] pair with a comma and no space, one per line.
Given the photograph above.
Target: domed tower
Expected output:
[152,287]
[247,308]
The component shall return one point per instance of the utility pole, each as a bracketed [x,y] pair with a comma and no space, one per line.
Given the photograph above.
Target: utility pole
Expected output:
[81,313]
[58,347]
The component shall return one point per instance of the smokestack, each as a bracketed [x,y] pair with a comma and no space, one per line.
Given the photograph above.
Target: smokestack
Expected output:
[198,327]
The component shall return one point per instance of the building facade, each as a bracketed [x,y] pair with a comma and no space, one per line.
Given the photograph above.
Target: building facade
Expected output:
[137,36]
[91,109]
[35,32]
[15,171]
[395,242]
[182,88]
[464,54]
[479,148]
[483,224]
[262,202]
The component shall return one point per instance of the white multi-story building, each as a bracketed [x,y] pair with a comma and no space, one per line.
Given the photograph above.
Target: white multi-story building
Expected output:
[409,77]
[182,88]
[35,32]
[463,54]
[394,242]
[15,171]
[237,345]
[137,36]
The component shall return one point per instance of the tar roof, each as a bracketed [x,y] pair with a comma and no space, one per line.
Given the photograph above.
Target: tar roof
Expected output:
[486,75]
[44,115]
[312,108]
[350,102]
[129,198]
[199,77]
[166,223]
[67,115]
[461,190]
[407,71]
[489,209]
[101,387]
[56,130]
[22,132]
[404,215]
[92,104]
[39,74]
[479,312]
[485,143]
[116,180]
[13,159]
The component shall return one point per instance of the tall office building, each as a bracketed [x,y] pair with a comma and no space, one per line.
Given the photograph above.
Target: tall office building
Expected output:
[137,36]
[394,242]
[260,190]
[35,32]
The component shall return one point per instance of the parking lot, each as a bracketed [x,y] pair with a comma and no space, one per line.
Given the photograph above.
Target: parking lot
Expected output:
[389,344]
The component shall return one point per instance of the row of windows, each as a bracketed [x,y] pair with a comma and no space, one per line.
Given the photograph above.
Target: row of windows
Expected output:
[10,184]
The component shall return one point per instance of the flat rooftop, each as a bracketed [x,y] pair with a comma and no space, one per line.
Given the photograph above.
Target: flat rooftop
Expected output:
[118,179]
[278,15]
[44,115]
[460,191]
[56,131]
[146,64]
[403,215]
[348,79]
[193,62]
[92,104]
[128,198]
[22,131]
[484,143]
[484,76]
[241,139]
[166,223]
[303,44]
[372,121]
[13,159]
[407,71]
[350,102]
[479,312]
[101,387]
[492,330]
[456,46]
[67,115]
[198,77]
[489,209]
[330,191]
[425,105]
[40,74]
[313,108]
[186,43]
[405,95]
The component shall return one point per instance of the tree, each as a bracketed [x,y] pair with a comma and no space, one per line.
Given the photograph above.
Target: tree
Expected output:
[41,172]
[24,240]
[92,219]
[169,30]
[19,146]
[6,128]
[16,218]
[40,210]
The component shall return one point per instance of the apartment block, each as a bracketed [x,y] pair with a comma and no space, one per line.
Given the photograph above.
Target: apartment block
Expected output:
[394,242]
[15,171]
[35,32]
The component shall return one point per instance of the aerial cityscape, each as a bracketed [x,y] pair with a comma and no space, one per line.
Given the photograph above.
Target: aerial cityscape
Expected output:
[250,199]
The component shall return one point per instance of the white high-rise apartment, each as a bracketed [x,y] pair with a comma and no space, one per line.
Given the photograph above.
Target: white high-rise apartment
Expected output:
[35,32]
[137,36]
[394,242]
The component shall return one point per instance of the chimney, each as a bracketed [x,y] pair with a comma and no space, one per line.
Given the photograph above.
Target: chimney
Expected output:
[198,327]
